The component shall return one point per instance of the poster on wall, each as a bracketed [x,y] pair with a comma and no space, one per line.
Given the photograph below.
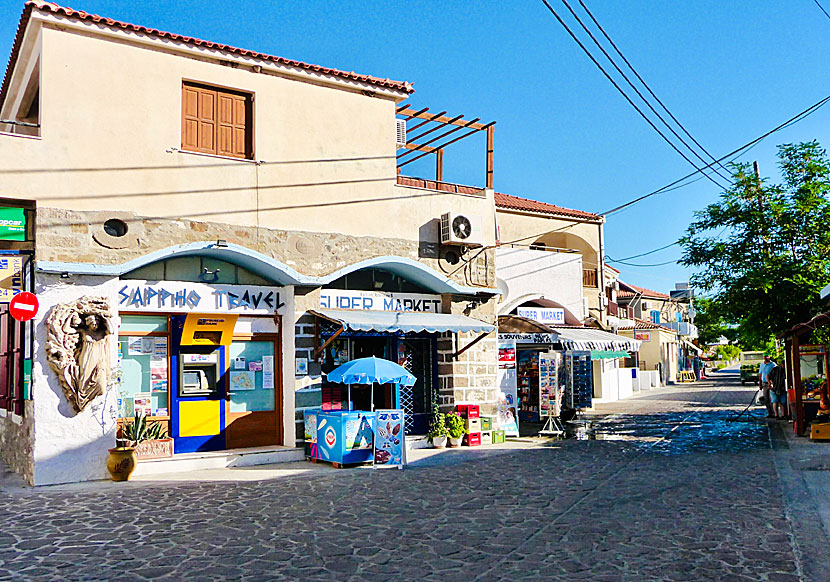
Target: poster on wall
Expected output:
[507,419]
[242,380]
[507,353]
[267,372]
[549,400]
[143,404]
[11,277]
[390,443]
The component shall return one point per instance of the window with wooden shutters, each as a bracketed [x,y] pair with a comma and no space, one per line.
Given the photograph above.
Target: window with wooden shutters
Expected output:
[217,121]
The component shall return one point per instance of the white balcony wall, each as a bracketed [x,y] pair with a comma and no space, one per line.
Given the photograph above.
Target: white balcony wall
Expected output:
[527,275]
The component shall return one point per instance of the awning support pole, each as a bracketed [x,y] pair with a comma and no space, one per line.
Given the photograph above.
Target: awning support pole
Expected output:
[471,344]
[322,348]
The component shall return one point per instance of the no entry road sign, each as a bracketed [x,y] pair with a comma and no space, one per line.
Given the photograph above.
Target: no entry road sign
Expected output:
[23,306]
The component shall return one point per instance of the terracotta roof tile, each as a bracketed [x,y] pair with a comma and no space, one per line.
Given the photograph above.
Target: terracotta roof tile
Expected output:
[642,290]
[643,324]
[50,7]
[517,203]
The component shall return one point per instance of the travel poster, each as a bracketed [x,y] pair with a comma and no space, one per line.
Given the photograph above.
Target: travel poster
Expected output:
[507,353]
[242,380]
[390,443]
[507,419]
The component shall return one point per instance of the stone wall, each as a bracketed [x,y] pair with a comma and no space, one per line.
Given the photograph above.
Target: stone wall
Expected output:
[66,235]
[17,442]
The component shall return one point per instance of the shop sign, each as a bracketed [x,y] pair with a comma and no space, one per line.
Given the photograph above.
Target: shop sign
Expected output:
[379,301]
[811,349]
[182,297]
[552,315]
[530,338]
[11,277]
[643,336]
[12,223]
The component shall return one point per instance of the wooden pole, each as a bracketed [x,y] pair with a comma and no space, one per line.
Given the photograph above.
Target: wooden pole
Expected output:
[799,425]
[490,138]
[439,165]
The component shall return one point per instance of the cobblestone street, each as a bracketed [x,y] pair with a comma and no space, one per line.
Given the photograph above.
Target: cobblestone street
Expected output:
[671,490]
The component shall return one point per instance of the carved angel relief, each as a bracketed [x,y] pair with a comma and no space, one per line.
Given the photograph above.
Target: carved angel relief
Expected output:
[78,347]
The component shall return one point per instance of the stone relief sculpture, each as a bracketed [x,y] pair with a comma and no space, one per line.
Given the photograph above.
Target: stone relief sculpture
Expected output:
[78,347]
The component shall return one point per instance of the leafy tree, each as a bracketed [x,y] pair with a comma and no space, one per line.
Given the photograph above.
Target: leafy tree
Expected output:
[710,322]
[763,250]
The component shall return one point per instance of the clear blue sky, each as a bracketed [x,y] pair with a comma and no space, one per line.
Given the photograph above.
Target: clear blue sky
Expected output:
[729,71]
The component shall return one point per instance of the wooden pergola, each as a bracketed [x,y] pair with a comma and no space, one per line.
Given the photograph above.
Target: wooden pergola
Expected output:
[435,134]
[793,342]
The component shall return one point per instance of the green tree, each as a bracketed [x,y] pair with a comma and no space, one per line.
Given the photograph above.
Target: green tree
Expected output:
[763,250]
[710,322]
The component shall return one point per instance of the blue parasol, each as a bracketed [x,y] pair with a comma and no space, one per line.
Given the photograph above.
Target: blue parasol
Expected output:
[369,371]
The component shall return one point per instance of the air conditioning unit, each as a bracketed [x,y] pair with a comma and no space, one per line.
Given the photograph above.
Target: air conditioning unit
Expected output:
[645,305]
[461,229]
[400,132]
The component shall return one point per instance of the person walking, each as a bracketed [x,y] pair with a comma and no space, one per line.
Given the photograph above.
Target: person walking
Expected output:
[764,385]
[778,392]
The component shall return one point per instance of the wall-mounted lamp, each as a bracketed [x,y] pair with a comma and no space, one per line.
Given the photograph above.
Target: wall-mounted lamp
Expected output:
[221,243]
[66,275]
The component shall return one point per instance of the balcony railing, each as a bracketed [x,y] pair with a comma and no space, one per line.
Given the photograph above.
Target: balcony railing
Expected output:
[589,278]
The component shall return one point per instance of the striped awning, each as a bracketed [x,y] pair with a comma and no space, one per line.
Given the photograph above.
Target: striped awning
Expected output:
[403,321]
[588,338]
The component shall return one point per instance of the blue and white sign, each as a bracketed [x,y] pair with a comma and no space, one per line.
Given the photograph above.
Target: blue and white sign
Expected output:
[379,301]
[549,315]
[182,297]
[390,442]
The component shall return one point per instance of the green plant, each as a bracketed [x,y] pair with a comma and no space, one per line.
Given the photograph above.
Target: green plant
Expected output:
[455,425]
[138,430]
[438,426]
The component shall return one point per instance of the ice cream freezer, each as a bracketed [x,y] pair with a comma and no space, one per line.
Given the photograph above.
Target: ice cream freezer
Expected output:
[341,437]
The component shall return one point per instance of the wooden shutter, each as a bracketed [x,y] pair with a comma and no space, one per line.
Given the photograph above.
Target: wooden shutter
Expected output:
[216,122]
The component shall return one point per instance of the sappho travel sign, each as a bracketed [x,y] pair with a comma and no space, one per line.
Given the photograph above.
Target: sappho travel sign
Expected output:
[182,297]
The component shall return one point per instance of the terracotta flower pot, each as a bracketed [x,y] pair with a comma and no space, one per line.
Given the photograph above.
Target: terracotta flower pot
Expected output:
[121,463]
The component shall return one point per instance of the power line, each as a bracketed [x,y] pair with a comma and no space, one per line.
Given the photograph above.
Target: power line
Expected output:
[633,70]
[627,98]
[822,8]
[809,111]
[607,258]
[636,90]
[646,265]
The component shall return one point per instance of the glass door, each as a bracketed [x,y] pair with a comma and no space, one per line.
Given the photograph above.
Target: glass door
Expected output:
[253,415]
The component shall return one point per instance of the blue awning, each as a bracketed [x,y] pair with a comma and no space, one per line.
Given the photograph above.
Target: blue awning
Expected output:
[403,321]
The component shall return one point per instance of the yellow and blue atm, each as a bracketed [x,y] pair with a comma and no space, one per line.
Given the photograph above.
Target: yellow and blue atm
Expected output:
[199,382]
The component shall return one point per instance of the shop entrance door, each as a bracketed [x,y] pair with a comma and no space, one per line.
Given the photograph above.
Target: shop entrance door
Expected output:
[253,413]
[417,355]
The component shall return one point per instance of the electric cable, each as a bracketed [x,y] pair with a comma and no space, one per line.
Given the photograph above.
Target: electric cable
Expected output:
[607,258]
[656,98]
[639,94]
[822,8]
[798,117]
[627,98]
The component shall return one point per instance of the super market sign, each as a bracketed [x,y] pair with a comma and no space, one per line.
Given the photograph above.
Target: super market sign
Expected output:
[379,301]
[180,297]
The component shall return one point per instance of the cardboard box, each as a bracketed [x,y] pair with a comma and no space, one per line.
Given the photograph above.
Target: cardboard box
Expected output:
[473,425]
[820,432]
[486,423]
[473,439]
[468,410]
[498,436]
[486,437]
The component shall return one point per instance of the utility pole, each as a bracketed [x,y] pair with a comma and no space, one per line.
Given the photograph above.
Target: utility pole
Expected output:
[760,194]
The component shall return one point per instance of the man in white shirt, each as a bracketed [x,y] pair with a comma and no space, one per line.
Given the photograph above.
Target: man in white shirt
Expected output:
[763,378]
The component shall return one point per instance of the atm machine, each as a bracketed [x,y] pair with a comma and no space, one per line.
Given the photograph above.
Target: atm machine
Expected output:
[199,382]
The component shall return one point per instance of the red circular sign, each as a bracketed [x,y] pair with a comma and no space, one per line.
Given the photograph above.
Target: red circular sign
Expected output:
[23,306]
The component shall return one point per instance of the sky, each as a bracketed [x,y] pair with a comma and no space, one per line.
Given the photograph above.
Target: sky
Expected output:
[729,71]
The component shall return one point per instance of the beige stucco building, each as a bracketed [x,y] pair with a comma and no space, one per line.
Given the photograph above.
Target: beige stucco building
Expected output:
[151,164]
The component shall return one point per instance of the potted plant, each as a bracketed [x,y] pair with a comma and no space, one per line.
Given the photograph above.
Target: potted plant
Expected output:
[122,459]
[438,431]
[456,428]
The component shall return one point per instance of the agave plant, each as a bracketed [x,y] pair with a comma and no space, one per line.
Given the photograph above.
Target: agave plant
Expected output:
[139,430]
